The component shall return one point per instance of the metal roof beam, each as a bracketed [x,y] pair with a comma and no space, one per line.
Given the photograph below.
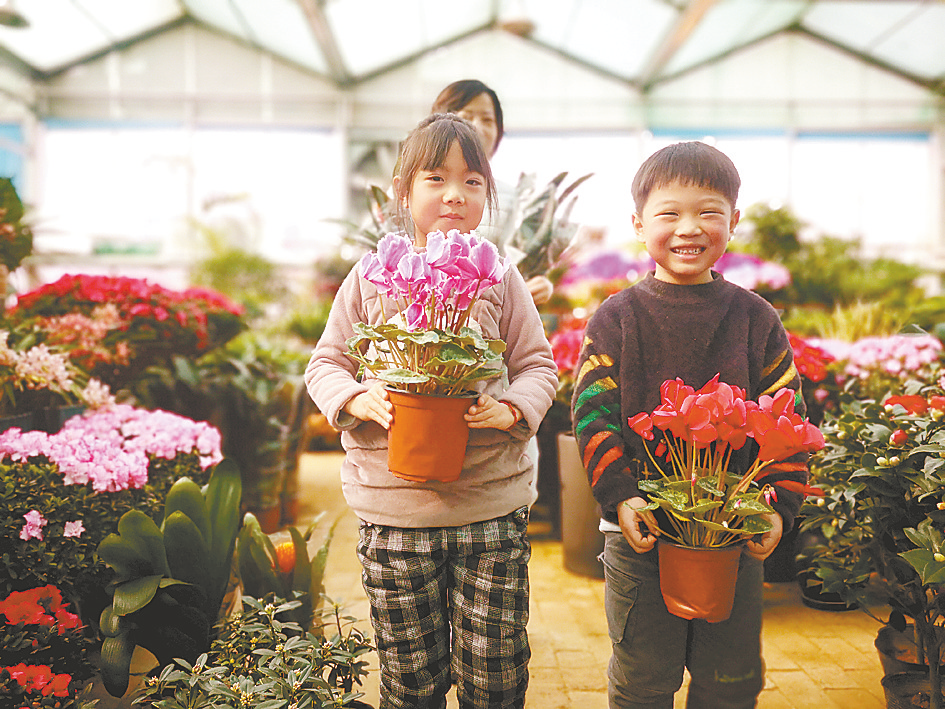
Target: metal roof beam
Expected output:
[935,86]
[321,28]
[675,37]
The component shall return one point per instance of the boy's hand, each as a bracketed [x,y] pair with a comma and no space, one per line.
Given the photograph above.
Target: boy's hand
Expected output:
[761,546]
[489,413]
[639,528]
[372,405]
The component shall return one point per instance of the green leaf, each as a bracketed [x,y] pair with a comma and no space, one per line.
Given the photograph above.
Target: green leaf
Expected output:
[401,376]
[115,663]
[188,555]
[302,574]
[185,496]
[125,558]
[134,595]
[931,572]
[223,510]
[140,531]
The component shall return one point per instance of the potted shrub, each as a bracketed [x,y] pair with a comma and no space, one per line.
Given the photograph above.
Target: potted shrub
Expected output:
[882,471]
[709,509]
[169,580]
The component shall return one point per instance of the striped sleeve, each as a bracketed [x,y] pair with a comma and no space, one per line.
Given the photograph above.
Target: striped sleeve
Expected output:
[779,372]
[595,411]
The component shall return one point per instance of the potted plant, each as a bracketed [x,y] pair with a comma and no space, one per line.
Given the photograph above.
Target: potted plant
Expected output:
[429,352]
[169,579]
[882,471]
[708,507]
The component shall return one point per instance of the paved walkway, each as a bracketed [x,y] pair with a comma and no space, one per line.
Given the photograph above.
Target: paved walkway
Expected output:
[815,659]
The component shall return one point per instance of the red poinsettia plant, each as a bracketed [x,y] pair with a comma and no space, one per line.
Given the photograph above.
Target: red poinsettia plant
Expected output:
[706,503]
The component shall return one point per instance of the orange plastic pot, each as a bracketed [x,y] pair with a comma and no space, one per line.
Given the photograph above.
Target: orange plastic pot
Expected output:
[698,583]
[427,438]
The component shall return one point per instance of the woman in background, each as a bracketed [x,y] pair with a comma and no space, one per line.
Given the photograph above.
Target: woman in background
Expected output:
[477,103]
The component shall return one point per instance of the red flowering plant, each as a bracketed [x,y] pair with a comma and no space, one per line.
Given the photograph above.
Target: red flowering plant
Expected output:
[879,525]
[115,327]
[818,370]
[44,650]
[566,348]
[705,503]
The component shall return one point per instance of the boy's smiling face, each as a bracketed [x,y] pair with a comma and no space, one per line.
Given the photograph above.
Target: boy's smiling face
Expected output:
[685,229]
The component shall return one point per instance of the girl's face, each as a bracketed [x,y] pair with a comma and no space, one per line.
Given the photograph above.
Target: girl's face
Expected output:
[450,196]
[481,113]
[685,229]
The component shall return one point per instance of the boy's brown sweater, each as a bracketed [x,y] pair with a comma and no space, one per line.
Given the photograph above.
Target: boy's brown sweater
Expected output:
[654,331]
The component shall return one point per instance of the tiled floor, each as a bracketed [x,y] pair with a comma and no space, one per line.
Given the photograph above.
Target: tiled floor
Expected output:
[815,659]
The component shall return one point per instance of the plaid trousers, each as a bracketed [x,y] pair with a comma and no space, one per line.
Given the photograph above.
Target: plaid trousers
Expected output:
[450,604]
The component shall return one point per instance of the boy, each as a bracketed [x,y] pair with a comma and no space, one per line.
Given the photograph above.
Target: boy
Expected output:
[682,320]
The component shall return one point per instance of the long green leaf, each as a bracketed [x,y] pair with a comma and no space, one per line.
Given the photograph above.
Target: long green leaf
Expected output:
[115,663]
[125,558]
[223,507]
[188,555]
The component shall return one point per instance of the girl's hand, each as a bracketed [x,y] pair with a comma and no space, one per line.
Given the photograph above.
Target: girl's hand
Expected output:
[633,522]
[372,405]
[762,545]
[490,413]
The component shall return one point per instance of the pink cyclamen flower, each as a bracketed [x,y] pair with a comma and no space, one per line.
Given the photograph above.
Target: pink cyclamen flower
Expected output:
[73,529]
[34,526]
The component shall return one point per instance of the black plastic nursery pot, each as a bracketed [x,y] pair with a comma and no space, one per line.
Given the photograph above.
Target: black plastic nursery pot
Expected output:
[907,690]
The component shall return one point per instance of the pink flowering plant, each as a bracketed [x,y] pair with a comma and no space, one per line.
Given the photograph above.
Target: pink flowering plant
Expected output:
[874,367]
[61,494]
[429,343]
[705,503]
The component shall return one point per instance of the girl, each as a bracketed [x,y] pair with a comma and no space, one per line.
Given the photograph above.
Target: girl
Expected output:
[443,564]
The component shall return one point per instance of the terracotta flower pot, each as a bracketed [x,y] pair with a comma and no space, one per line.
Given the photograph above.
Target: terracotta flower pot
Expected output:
[427,438]
[698,583]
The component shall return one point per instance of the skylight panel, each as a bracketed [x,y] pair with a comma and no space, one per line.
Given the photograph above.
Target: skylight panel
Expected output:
[373,34]
[62,31]
[733,23]
[616,36]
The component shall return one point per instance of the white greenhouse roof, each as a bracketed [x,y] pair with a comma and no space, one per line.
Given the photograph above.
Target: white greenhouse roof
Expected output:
[643,43]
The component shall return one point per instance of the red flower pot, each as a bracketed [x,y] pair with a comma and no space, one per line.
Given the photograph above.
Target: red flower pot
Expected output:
[698,582]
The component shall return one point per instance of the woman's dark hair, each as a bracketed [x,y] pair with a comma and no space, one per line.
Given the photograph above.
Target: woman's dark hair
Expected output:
[689,163]
[425,148]
[457,95]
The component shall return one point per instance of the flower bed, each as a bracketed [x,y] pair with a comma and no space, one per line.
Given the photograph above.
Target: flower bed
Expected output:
[61,494]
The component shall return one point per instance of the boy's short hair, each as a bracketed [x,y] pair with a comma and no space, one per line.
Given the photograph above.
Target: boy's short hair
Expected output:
[689,163]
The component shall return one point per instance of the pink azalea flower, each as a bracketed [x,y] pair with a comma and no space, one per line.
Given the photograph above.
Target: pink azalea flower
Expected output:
[73,529]
[34,526]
